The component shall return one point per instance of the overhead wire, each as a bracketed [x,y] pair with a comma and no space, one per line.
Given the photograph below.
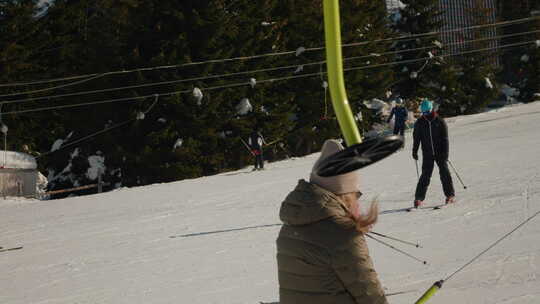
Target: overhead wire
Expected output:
[53,88]
[433,33]
[255,71]
[317,74]
[400,38]
[433,47]
[152,84]
[442,56]
[118,125]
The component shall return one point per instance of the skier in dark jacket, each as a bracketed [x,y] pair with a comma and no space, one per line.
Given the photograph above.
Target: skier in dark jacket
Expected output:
[432,132]
[256,142]
[400,113]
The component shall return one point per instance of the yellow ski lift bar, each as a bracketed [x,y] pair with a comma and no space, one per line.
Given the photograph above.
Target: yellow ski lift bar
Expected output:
[334,63]
[358,154]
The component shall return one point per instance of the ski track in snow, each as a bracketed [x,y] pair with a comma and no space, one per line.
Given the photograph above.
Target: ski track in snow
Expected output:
[212,239]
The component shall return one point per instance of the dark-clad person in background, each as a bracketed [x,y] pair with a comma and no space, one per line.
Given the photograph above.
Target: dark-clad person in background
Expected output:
[400,114]
[256,142]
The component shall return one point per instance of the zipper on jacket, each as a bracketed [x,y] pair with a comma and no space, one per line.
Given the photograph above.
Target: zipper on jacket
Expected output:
[431,138]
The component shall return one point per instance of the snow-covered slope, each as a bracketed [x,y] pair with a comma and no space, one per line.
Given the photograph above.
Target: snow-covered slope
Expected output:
[212,239]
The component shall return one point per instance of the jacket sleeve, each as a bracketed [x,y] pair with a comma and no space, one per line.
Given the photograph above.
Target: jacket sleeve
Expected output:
[355,269]
[444,139]
[416,137]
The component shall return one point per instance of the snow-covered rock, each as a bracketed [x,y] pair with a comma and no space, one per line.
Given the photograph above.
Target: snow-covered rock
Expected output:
[489,85]
[178,143]
[244,107]
[197,93]
[300,50]
[96,167]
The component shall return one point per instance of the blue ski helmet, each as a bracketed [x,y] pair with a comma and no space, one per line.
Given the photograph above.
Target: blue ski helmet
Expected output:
[426,106]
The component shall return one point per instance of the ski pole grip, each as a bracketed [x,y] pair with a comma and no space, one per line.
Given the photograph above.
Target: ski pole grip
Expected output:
[430,292]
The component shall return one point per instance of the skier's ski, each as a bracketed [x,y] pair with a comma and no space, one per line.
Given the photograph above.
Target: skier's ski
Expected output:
[446,204]
[437,207]
[10,249]
[411,209]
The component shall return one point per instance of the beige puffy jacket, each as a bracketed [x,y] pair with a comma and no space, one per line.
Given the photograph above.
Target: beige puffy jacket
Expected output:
[321,258]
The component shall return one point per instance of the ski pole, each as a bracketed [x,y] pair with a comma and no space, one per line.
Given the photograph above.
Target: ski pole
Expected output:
[396,239]
[438,285]
[464,187]
[399,292]
[247,147]
[398,250]
[10,249]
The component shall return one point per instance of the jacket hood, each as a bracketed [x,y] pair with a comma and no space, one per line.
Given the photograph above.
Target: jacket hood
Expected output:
[309,203]
[431,116]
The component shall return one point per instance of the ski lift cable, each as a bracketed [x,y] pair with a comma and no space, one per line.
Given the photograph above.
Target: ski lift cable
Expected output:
[520,44]
[271,80]
[261,81]
[400,38]
[438,285]
[250,71]
[55,87]
[325,86]
[155,84]
[433,33]
[492,245]
[447,44]
[118,125]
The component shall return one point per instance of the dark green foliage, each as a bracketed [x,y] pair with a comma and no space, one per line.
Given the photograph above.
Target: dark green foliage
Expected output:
[294,112]
[521,65]
[476,86]
[418,71]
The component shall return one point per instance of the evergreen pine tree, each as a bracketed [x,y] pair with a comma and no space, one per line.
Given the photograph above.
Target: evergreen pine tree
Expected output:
[182,135]
[519,64]
[477,69]
[418,71]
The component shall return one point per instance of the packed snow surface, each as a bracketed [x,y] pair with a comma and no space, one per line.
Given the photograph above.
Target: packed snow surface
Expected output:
[212,239]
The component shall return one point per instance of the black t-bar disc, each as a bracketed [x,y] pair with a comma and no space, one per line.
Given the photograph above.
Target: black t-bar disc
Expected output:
[359,155]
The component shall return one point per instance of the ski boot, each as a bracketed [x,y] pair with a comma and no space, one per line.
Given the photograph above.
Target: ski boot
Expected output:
[450,200]
[417,204]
